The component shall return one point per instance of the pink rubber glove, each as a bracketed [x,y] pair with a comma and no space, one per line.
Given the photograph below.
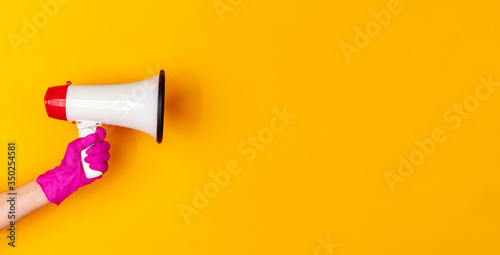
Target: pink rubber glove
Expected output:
[62,181]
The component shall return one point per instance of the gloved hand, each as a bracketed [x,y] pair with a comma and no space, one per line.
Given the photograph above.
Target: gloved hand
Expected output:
[62,181]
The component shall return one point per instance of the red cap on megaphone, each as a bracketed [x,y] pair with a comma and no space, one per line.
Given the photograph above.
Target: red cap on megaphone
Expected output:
[55,102]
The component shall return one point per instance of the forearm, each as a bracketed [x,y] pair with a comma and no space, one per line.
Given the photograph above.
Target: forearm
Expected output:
[29,198]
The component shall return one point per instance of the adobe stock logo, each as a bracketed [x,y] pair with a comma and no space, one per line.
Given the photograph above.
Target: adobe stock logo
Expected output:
[325,246]
[221,7]
[363,37]
[40,19]
[454,116]
[249,149]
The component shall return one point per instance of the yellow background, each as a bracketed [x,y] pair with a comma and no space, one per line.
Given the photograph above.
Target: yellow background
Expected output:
[322,176]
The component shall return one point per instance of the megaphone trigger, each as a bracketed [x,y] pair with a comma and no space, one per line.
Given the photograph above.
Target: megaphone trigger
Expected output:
[86,128]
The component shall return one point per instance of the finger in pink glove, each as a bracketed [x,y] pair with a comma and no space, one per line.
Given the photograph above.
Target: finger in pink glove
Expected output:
[63,180]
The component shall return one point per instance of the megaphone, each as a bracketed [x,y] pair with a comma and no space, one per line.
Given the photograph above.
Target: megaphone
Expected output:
[137,105]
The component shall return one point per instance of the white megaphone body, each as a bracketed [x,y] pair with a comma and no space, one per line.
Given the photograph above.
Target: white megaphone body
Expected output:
[137,105]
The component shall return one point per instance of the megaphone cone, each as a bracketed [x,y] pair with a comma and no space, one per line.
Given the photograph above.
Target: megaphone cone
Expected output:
[137,105]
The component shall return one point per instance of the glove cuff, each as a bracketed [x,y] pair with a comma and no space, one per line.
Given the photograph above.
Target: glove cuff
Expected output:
[53,186]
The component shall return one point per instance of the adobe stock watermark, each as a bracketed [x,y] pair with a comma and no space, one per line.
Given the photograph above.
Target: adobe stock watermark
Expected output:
[363,37]
[427,146]
[325,246]
[223,6]
[133,100]
[30,27]
[249,149]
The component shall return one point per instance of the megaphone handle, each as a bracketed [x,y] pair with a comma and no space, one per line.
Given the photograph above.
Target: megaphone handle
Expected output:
[86,167]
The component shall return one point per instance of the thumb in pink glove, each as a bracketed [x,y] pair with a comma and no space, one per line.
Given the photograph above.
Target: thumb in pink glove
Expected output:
[62,181]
